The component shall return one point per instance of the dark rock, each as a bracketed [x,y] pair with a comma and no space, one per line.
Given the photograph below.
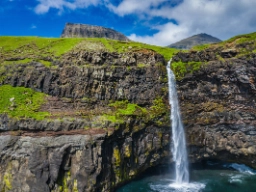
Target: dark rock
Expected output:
[218,109]
[83,30]
[228,53]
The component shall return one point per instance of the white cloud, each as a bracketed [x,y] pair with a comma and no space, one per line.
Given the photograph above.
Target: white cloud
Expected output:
[134,6]
[167,33]
[220,18]
[45,5]
[33,27]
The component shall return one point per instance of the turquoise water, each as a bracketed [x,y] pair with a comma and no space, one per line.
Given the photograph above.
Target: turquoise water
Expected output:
[211,177]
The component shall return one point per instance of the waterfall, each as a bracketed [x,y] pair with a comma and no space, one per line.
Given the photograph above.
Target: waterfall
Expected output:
[178,137]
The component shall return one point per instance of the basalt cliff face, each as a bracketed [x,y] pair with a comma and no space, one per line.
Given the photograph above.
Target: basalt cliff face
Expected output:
[218,104]
[104,117]
[83,30]
[106,121]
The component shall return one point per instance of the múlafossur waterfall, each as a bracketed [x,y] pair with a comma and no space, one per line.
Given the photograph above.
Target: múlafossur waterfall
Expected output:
[179,150]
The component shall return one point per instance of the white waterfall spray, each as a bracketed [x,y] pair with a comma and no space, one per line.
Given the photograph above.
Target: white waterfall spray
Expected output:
[178,137]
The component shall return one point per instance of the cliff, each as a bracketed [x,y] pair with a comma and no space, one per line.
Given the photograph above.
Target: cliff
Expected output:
[96,110]
[83,114]
[83,30]
[217,89]
[195,40]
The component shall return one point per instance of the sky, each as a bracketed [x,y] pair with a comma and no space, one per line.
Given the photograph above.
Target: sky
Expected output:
[157,22]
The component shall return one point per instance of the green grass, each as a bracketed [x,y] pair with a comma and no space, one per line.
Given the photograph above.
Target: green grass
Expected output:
[45,63]
[123,108]
[241,38]
[232,43]
[141,65]
[180,69]
[113,119]
[57,46]
[23,61]
[158,108]
[37,47]
[21,102]
[200,47]
[26,61]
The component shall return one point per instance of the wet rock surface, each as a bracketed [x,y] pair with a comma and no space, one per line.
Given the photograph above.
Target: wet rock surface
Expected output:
[219,111]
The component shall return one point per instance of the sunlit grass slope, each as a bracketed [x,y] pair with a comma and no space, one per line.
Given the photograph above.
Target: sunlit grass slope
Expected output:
[55,47]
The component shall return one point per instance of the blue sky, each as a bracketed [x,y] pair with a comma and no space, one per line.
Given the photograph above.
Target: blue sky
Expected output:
[159,22]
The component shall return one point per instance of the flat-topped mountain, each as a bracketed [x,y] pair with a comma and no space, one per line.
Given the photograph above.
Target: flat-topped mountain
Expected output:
[83,30]
[199,39]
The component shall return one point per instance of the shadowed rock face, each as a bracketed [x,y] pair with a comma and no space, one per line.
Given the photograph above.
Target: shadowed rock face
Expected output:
[218,107]
[82,30]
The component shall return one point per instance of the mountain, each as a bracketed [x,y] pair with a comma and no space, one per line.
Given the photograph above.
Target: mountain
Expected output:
[83,30]
[199,39]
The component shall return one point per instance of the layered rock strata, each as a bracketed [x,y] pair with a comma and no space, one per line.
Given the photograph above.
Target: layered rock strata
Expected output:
[218,106]
[108,116]
[83,30]
[86,144]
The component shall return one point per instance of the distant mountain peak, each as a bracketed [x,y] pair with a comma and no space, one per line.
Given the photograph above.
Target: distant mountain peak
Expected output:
[194,40]
[85,30]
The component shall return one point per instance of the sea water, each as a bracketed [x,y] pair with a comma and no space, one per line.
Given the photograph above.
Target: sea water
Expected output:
[212,177]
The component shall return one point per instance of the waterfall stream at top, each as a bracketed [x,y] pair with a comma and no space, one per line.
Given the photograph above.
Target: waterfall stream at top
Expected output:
[178,137]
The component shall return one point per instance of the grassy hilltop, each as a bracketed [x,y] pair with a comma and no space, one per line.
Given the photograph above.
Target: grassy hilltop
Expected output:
[33,48]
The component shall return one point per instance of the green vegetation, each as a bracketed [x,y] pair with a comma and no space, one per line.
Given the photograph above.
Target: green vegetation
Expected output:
[180,68]
[244,45]
[121,110]
[141,65]
[25,61]
[241,38]
[7,181]
[63,181]
[113,119]
[124,108]
[57,46]
[21,102]
[37,47]
[158,108]
[117,162]
[200,47]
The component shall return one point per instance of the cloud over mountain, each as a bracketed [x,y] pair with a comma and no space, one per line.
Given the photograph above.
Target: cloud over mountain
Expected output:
[179,18]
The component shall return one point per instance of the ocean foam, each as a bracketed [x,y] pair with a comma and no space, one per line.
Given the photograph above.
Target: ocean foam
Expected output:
[241,168]
[175,187]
